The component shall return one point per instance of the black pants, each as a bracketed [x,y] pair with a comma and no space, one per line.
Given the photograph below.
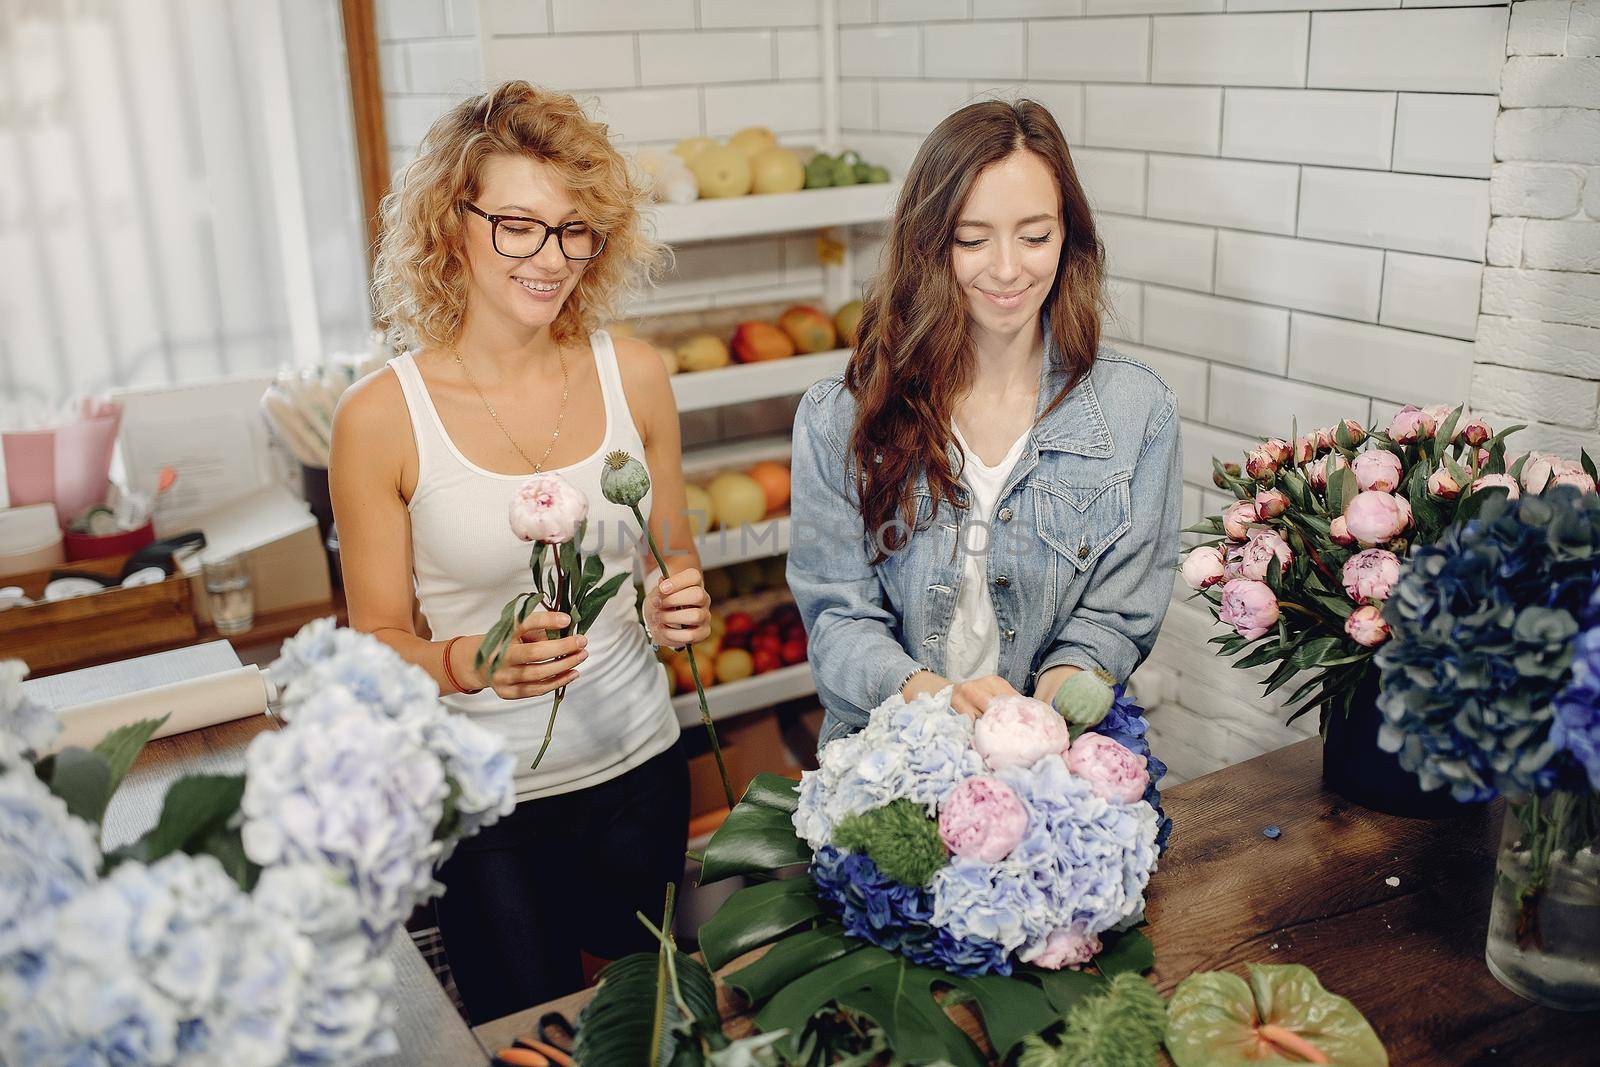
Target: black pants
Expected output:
[559,874]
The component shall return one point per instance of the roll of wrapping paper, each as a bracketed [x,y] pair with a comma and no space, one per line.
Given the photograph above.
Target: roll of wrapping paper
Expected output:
[189,705]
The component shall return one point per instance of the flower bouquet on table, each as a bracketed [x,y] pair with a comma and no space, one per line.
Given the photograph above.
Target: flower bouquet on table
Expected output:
[1491,687]
[250,924]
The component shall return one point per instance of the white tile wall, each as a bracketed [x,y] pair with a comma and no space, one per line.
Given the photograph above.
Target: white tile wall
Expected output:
[1442,133]
[880,51]
[1151,7]
[1201,442]
[1164,252]
[1411,367]
[1157,118]
[917,106]
[1251,403]
[1231,49]
[1098,50]
[785,107]
[650,114]
[1334,279]
[799,53]
[1341,129]
[728,14]
[1224,192]
[1184,375]
[1126,320]
[1410,212]
[571,61]
[1433,295]
[1455,50]
[510,16]
[1255,336]
[689,58]
[591,16]
[974,50]
[1115,181]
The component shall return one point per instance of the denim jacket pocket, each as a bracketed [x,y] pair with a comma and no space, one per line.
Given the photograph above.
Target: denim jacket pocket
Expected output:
[1081,521]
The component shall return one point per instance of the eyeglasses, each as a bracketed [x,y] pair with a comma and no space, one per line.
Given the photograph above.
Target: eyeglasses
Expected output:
[516,237]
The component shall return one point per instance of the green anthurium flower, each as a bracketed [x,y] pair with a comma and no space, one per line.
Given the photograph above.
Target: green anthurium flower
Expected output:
[1283,1016]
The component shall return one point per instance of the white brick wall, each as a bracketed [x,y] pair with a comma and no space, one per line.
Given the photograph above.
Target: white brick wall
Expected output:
[1538,338]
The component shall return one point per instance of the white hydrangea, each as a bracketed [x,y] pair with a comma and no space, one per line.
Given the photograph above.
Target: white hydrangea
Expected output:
[47,857]
[27,729]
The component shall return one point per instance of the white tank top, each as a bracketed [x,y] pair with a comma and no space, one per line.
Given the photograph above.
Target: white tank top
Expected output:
[467,563]
[974,648]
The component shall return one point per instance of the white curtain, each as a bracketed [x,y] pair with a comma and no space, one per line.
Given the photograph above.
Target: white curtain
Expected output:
[178,193]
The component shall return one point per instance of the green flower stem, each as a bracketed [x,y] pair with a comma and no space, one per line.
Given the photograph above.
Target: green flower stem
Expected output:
[555,705]
[694,670]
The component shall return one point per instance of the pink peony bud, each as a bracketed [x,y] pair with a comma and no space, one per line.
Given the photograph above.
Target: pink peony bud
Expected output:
[1537,469]
[1366,626]
[1373,517]
[1250,607]
[1411,424]
[1064,946]
[1316,473]
[1355,431]
[1237,518]
[548,508]
[1379,469]
[1442,484]
[1202,568]
[1571,472]
[1438,413]
[1261,464]
[1323,439]
[982,819]
[1112,771]
[1474,432]
[1258,553]
[1497,481]
[1371,575]
[1017,731]
[1270,503]
[1279,449]
[1304,449]
[1340,532]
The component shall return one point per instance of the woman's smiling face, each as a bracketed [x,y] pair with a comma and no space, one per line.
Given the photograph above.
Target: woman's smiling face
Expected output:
[1007,242]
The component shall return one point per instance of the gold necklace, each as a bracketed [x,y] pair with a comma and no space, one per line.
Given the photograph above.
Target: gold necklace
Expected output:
[561,413]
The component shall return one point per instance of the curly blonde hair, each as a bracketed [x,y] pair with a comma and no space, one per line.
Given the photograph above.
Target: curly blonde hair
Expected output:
[419,278]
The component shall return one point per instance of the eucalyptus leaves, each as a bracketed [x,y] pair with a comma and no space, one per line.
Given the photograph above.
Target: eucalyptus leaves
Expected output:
[552,513]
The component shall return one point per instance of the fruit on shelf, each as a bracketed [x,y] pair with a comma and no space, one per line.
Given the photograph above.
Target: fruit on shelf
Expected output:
[738,499]
[669,177]
[847,168]
[748,577]
[846,320]
[735,664]
[753,140]
[809,329]
[690,147]
[774,480]
[739,626]
[776,170]
[702,510]
[669,358]
[703,351]
[722,171]
[756,342]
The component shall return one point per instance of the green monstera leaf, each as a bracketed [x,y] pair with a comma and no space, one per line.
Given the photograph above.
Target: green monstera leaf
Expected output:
[1282,1016]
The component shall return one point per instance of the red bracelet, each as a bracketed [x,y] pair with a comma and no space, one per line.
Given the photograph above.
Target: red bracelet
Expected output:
[450,675]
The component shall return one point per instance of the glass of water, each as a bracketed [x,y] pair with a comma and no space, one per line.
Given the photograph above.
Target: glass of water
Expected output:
[230,593]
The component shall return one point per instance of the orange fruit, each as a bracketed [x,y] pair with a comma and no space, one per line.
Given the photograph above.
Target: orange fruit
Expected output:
[773,477]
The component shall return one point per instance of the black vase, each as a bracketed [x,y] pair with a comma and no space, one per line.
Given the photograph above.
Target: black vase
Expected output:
[1357,769]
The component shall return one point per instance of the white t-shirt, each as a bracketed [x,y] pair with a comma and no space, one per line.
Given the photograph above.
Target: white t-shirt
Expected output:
[974,643]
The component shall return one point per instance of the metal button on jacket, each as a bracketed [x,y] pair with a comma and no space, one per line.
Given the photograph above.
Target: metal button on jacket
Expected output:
[1002,581]
[1005,515]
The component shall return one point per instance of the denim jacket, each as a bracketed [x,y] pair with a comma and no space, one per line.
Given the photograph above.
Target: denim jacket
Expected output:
[1081,546]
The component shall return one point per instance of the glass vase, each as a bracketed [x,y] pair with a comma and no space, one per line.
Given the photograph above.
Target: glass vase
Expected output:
[1544,923]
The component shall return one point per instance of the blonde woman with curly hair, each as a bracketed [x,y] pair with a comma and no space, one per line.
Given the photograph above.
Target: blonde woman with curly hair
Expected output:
[514,233]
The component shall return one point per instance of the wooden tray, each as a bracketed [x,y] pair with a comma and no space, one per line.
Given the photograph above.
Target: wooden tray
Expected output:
[95,627]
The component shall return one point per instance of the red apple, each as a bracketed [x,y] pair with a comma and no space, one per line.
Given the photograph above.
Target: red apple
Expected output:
[738,622]
[793,651]
[766,660]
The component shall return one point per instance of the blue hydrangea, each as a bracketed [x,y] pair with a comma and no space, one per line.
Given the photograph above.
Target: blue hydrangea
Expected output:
[898,917]
[170,963]
[323,657]
[27,728]
[1125,724]
[1083,861]
[346,1010]
[1576,729]
[346,786]
[47,858]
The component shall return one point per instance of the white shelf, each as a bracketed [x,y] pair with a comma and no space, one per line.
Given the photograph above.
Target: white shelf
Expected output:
[708,460]
[750,216]
[756,540]
[735,698]
[744,382]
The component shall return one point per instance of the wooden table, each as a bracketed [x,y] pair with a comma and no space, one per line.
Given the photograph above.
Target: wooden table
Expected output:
[431,1032]
[1410,955]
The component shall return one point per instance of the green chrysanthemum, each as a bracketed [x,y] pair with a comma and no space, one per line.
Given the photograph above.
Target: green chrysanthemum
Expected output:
[898,837]
[1120,1028]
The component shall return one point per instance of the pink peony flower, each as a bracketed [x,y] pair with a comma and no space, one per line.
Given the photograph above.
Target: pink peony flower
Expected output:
[1442,484]
[1270,503]
[982,819]
[548,508]
[1571,472]
[1112,771]
[1202,568]
[1278,448]
[1018,731]
[1065,946]
[1322,439]
[1304,449]
[1374,517]
[1474,432]
[1537,470]
[1371,575]
[1237,518]
[1258,553]
[1379,469]
[1410,424]
[1438,413]
[1340,532]
[1501,481]
[1249,606]
[1260,464]
[1355,431]
[1366,626]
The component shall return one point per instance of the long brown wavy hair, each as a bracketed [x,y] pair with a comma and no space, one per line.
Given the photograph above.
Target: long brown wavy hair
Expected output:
[420,274]
[913,359]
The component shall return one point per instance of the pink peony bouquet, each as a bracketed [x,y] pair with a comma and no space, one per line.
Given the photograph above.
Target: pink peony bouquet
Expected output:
[1301,563]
